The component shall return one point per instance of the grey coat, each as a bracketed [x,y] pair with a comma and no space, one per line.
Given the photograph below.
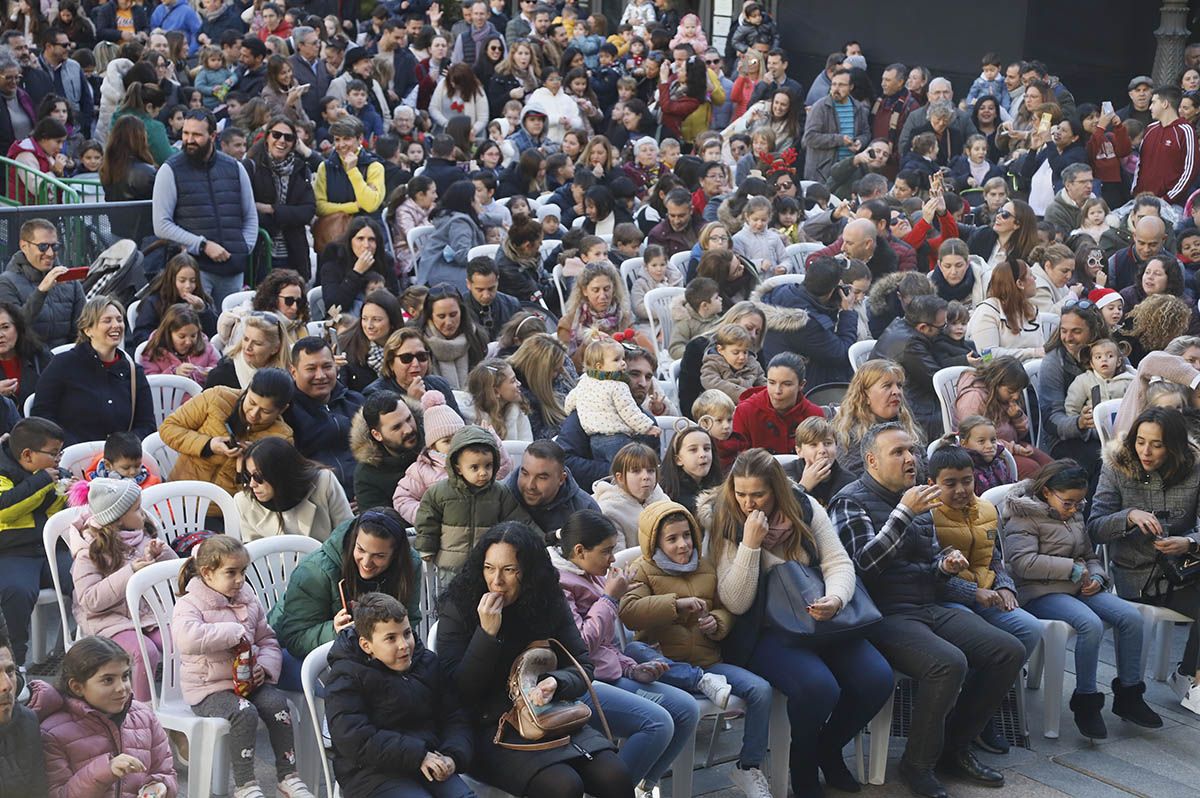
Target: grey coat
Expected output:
[1041,548]
[53,314]
[918,120]
[444,256]
[1057,373]
[1123,487]
[823,137]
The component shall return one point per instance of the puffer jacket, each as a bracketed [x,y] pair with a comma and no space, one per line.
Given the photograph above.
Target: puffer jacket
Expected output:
[377,468]
[649,605]
[26,502]
[322,430]
[453,514]
[642,283]
[206,626]
[756,422]
[1041,548]
[80,741]
[167,362]
[686,324]
[623,509]
[383,722]
[99,600]
[1124,486]
[972,401]
[53,314]
[303,617]
[428,470]
[797,322]
[112,91]
[973,532]
[991,474]
[197,421]
[595,617]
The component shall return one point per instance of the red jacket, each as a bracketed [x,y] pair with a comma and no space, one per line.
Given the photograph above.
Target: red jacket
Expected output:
[1105,150]
[756,424]
[674,111]
[923,233]
[1168,162]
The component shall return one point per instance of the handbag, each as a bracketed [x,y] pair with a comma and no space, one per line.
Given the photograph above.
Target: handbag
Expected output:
[329,228]
[551,725]
[793,586]
[1170,572]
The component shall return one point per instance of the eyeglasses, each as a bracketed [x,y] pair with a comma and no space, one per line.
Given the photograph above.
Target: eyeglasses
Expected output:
[279,134]
[248,477]
[1095,260]
[43,246]
[408,357]
[290,301]
[56,456]
[1003,214]
[712,61]
[1068,505]
[1080,304]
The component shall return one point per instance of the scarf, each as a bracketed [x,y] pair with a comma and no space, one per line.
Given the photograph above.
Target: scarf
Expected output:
[281,171]
[950,293]
[449,356]
[670,566]
[779,531]
[617,376]
[526,79]
[375,357]
[587,319]
[210,14]
[245,372]
[527,263]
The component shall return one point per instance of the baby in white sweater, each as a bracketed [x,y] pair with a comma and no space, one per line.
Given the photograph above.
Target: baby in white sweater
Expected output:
[607,410]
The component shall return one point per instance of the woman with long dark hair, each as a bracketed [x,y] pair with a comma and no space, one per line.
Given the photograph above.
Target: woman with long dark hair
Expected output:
[506,596]
[1012,235]
[677,99]
[178,283]
[460,93]
[456,343]
[285,493]
[363,345]
[282,93]
[994,390]
[348,267]
[525,176]
[127,173]
[1060,434]
[23,357]
[283,193]
[281,292]
[143,101]
[456,229]
[1007,321]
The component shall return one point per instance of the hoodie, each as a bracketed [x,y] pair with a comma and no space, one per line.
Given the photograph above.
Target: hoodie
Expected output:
[622,508]
[595,616]
[757,424]
[649,605]
[552,515]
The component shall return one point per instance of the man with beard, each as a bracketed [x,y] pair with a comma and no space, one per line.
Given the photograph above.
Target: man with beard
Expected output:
[23,766]
[321,412]
[545,488]
[204,202]
[385,439]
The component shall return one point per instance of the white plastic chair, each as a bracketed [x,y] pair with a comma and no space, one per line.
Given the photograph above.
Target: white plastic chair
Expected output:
[316,303]
[796,255]
[629,268]
[786,460]
[312,673]
[577,223]
[667,425]
[56,529]
[416,238]
[945,385]
[658,307]
[155,585]
[58,350]
[1033,368]
[560,286]
[860,352]
[1105,416]
[483,251]
[516,451]
[548,247]
[164,456]
[182,507]
[1049,323]
[316,328]
[680,261]
[1159,622]
[28,409]
[137,354]
[170,391]
[78,456]
[236,299]
[131,313]
[997,496]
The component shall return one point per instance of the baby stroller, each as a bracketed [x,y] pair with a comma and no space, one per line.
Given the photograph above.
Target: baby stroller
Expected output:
[117,272]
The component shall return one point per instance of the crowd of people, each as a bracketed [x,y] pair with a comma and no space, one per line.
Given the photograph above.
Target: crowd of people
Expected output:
[504,420]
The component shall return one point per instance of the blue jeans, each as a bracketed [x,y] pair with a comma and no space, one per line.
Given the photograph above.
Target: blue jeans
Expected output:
[680,674]
[1088,614]
[21,578]
[656,721]
[605,447]
[824,716]
[219,286]
[757,693]
[1018,623]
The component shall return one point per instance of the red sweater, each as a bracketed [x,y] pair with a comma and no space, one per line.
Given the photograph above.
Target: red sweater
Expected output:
[756,423]
[1168,161]
[1105,150]
[923,233]
[674,111]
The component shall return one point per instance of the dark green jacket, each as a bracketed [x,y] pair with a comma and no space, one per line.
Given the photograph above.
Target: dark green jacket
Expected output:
[303,618]
[378,470]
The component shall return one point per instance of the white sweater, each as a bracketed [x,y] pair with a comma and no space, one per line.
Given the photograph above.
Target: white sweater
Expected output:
[606,407]
[476,108]
[622,509]
[556,106]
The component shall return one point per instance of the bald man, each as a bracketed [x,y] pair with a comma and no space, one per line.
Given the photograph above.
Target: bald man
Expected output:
[860,240]
[918,120]
[1149,236]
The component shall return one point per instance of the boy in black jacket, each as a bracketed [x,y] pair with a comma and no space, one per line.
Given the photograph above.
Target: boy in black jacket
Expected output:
[394,721]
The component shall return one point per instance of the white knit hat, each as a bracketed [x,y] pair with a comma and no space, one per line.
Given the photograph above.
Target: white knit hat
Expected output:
[109,499]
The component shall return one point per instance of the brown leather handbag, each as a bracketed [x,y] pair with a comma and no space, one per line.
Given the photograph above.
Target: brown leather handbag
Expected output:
[550,726]
[330,228]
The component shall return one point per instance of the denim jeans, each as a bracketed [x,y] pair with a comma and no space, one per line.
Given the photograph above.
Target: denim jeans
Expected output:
[605,447]
[21,578]
[219,286]
[655,720]
[1088,614]
[1018,623]
[681,674]
[757,693]
[964,667]
[833,690]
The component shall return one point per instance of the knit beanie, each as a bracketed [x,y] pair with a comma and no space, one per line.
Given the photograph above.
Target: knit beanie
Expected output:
[440,420]
[1103,296]
[109,499]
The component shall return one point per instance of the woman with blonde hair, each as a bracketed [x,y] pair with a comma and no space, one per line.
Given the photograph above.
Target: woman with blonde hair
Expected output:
[598,302]
[497,402]
[540,363]
[748,315]
[261,341]
[761,521]
[516,77]
[599,156]
[875,395]
[750,72]
[1153,324]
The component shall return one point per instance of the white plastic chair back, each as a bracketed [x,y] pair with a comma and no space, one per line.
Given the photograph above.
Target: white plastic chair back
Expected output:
[416,238]
[997,495]
[625,557]
[131,313]
[1105,416]
[315,328]
[785,279]
[181,507]
[680,261]
[29,405]
[667,424]
[316,303]
[312,673]
[860,352]
[629,269]
[1012,464]
[56,528]
[1033,369]
[78,456]
[272,561]
[548,247]
[945,385]
[560,286]
[169,392]
[483,251]
[658,307]
[58,350]
[164,456]
[1049,323]
[577,224]
[786,460]
[795,255]
[137,354]
[464,400]
[236,299]
[516,451]
[218,344]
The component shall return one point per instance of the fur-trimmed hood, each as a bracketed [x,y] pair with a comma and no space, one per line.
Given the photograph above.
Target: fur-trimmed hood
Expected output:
[779,317]
[882,290]
[366,450]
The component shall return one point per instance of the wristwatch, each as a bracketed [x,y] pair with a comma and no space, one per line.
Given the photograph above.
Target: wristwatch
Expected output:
[203,243]
[1193,547]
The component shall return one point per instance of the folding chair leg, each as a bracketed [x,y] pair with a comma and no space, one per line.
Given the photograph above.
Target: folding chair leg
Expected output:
[681,770]
[881,733]
[779,741]
[1035,666]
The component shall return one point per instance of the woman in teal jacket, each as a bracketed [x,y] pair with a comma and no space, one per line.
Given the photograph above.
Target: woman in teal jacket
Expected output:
[144,101]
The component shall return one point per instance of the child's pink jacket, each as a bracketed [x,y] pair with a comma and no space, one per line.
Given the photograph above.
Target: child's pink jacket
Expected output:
[168,361]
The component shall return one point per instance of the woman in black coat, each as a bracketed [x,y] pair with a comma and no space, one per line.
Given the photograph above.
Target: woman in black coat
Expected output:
[348,266]
[489,615]
[127,174]
[105,18]
[90,390]
[276,168]
[365,344]
[409,379]
[178,283]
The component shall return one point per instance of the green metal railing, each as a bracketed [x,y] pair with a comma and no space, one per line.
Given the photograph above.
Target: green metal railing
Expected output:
[50,190]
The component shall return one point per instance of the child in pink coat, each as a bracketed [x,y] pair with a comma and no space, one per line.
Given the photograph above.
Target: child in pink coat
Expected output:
[217,612]
[110,541]
[179,347]
[98,740]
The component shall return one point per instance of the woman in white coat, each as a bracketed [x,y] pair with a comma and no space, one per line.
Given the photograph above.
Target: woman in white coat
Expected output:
[1006,323]
[284,493]
[460,93]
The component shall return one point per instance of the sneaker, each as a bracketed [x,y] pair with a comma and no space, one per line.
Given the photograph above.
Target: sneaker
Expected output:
[645,790]
[752,782]
[1180,683]
[180,748]
[249,790]
[716,689]
[1191,701]
[293,787]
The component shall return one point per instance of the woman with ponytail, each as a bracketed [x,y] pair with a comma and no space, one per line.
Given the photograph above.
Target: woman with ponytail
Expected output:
[144,101]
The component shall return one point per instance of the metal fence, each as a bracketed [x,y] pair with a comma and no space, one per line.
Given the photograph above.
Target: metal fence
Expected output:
[85,229]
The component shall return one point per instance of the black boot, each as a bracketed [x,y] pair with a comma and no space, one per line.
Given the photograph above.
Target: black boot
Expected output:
[1129,705]
[1088,720]
[921,781]
[837,775]
[991,740]
[963,763]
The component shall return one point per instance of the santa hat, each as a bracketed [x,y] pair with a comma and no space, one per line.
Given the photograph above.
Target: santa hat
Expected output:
[1103,296]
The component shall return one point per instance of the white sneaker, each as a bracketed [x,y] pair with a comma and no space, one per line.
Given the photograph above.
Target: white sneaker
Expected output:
[643,790]
[1180,684]
[716,689]
[249,790]
[293,787]
[751,782]
[1191,701]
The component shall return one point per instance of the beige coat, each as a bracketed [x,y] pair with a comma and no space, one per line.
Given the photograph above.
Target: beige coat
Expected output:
[316,516]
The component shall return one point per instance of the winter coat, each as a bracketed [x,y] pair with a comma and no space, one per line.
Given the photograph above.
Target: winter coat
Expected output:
[1041,548]
[643,283]
[902,343]
[606,407]
[53,315]
[428,470]
[444,256]
[622,508]
[823,136]
[112,91]
[206,628]
[1057,372]
[1079,395]
[105,18]
[322,510]
[798,322]
[26,502]
[972,401]
[824,491]
[99,600]
[595,617]
[22,761]
[195,423]
[409,216]
[757,424]
[382,722]
[973,532]
[552,515]
[686,324]
[516,422]
[649,605]
[988,328]
[167,362]
[716,372]
[322,430]
[454,514]
[991,474]
[303,618]
[91,401]
[293,212]
[341,285]
[80,741]
[377,468]
[1125,486]
[150,313]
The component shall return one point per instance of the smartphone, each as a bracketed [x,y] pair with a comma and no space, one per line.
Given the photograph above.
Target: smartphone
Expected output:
[342,593]
[1106,108]
[77,273]
[968,218]
[1095,397]
[1044,124]
[937,185]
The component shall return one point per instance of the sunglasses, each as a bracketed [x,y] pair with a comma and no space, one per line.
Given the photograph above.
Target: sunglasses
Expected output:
[290,301]
[1094,260]
[42,247]
[784,186]
[408,357]
[712,61]
[1003,214]
[1081,304]
[249,477]
[279,134]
